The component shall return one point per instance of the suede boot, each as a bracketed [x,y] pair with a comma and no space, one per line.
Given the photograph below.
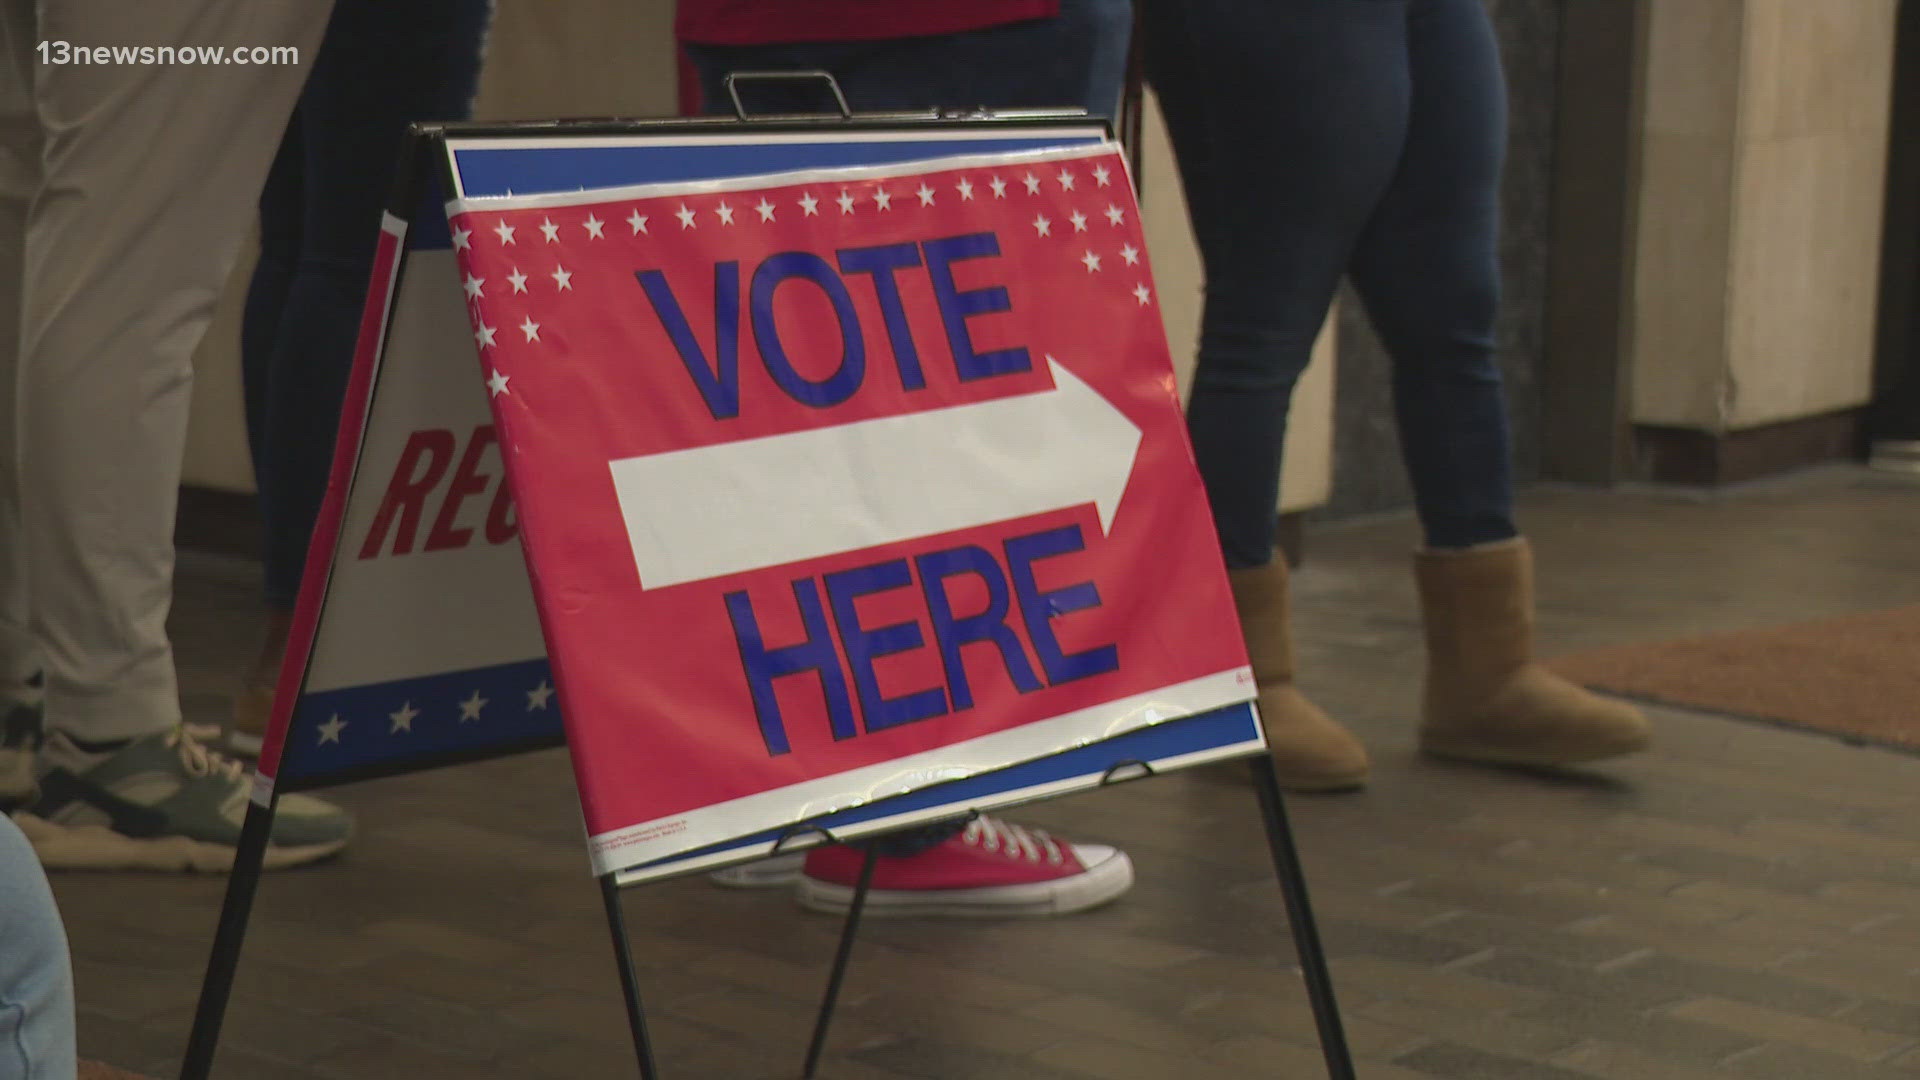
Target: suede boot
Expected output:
[1486,700]
[1310,751]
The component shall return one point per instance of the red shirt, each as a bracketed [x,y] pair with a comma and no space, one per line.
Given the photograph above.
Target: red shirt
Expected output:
[769,22]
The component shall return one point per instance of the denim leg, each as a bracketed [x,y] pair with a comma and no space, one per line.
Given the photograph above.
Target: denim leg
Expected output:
[1428,267]
[1076,59]
[381,66]
[36,977]
[1287,118]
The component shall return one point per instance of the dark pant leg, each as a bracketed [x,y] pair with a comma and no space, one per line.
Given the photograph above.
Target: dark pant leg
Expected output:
[1287,118]
[1428,267]
[281,207]
[1077,59]
[381,66]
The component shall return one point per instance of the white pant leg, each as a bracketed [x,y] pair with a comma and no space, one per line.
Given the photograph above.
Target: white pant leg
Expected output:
[19,179]
[150,177]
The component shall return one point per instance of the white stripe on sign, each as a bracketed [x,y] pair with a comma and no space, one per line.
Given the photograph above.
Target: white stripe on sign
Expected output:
[711,511]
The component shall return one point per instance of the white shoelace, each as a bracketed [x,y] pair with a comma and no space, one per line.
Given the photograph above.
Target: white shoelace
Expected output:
[1030,844]
[201,761]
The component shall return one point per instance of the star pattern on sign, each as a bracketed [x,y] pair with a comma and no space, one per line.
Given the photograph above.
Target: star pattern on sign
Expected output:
[925,193]
[537,697]
[965,188]
[562,278]
[403,719]
[764,209]
[330,731]
[1079,221]
[809,206]
[1131,254]
[846,202]
[882,198]
[470,708]
[1100,175]
[518,280]
[1032,182]
[504,231]
[724,213]
[1142,293]
[496,383]
[593,225]
[685,215]
[473,286]
[638,222]
[1066,180]
[999,187]
[483,335]
[462,239]
[1042,226]
[530,328]
[1115,215]
[1090,261]
[549,230]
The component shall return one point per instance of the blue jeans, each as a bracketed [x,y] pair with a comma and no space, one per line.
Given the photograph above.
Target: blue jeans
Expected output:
[381,66]
[36,978]
[1322,137]
[1078,58]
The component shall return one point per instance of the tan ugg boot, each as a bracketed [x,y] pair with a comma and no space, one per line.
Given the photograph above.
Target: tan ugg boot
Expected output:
[1310,751]
[253,705]
[1486,700]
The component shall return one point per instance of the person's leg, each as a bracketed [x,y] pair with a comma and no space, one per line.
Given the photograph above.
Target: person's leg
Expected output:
[148,170]
[36,976]
[380,67]
[1076,59]
[1286,120]
[1428,268]
[19,179]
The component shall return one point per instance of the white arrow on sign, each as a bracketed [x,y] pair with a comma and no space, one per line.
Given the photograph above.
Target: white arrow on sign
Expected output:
[710,511]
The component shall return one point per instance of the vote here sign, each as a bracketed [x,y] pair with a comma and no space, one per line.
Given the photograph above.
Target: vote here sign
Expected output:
[834,485]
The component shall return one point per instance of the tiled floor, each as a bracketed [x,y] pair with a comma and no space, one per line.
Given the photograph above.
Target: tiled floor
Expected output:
[1743,902]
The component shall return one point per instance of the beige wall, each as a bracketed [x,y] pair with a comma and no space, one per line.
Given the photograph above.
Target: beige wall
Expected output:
[1757,248]
[615,58]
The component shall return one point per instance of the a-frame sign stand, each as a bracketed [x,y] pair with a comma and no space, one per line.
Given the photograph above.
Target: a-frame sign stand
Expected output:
[292,762]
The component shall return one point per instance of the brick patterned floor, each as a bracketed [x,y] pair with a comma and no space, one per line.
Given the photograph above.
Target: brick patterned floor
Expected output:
[1742,902]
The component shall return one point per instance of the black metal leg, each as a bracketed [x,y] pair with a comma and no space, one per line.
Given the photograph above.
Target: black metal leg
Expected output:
[1306,938]
[217,985]
[840,962]
[629,982]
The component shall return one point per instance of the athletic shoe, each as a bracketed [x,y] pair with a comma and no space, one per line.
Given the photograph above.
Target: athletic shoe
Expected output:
[994,868]
[20,738]
[163,802]
[774,871]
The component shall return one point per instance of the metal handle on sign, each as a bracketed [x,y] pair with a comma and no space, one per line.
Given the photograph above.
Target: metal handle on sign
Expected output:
[740,112]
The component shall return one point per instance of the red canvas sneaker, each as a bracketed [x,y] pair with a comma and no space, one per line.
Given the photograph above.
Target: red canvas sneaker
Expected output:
[994,868]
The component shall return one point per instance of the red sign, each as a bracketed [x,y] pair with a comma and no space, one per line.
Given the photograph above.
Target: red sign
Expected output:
[837,484]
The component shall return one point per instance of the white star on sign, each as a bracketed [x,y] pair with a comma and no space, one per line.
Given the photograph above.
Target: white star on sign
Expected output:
[999,187]
[883,198]
[765,209]
[1091,260]
[470,708]
[1066,180]
[1131,254]
[1116,215]
[549,230]
[496,383]
[846,203]
[462,239]
[537,697]
[1033,184]
[330,731]
[530,328]
[685,215]
[562,278]
[965,188]
[1042,226]
[505,232]
[724,213]
[593,225]
[1079,221]
[1140,293]
[639,222]
[925,193]
[809,206]
[1100,175]
[518,279]
[483,335]
[473,285]
[403,720]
